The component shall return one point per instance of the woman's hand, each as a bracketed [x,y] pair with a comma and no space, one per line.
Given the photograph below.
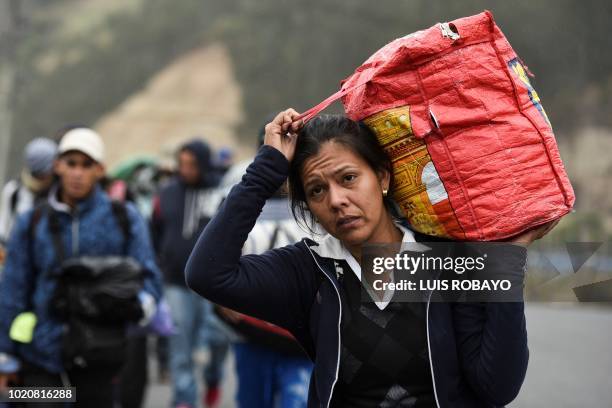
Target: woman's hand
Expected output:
[533,234]
[281,133]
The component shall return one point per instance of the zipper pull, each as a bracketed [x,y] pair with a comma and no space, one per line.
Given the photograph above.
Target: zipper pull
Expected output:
[339,271]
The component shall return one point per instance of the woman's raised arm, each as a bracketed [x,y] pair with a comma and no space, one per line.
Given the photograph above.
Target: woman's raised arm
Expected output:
[273,286]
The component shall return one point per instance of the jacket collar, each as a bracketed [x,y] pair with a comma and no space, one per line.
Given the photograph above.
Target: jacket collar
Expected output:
[331,247]
[95,197]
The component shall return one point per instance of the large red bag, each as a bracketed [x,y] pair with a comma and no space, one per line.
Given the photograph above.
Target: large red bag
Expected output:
[473,151]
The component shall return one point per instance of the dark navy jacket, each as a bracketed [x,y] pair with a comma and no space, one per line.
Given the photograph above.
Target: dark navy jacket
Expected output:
[180,212]
[478,352]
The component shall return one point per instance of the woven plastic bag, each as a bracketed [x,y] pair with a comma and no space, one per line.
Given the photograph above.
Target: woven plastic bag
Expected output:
[473,151]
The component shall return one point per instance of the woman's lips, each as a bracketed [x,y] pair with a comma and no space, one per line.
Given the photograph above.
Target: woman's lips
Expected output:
[348,222]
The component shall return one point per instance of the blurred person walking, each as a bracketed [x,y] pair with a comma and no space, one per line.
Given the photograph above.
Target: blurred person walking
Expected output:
[180,212]
[79,269]
[22,194]
[133,180]
[224,160]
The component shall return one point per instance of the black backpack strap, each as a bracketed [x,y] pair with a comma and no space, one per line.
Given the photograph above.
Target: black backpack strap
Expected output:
[277,230]
[37,214]
[14,198]
[121,215]
[55,228]
[274,237]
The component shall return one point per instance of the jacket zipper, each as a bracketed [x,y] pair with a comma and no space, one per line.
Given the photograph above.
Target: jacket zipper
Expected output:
[75,234]
[331,392]
[433,377]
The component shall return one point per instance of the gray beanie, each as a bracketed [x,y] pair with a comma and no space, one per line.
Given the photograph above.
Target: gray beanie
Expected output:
[39,155]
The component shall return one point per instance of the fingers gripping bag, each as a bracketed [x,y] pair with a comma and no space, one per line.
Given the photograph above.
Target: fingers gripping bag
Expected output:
[473,151]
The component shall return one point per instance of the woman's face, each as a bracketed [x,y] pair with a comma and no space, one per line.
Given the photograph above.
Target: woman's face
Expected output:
[345,194]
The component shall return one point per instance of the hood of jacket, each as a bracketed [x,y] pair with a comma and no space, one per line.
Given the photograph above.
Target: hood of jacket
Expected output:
[201,151]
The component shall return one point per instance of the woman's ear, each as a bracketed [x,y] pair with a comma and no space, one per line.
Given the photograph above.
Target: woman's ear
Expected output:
[385,180]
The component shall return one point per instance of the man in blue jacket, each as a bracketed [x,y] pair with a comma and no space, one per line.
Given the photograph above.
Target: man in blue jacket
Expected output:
[85,224]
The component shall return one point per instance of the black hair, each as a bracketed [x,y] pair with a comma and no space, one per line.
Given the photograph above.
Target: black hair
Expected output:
[354,135]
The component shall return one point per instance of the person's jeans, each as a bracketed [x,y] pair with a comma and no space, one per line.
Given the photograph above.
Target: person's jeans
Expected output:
[196,326]
[269,379]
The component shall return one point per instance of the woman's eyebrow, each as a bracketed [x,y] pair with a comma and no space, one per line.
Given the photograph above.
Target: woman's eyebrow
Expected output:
[344,167]
[314,178]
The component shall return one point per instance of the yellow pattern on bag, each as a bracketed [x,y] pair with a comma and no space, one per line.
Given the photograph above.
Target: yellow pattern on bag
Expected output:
[418,189]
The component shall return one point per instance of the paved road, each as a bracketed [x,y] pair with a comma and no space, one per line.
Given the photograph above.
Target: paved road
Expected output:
[159,395]
[570,364]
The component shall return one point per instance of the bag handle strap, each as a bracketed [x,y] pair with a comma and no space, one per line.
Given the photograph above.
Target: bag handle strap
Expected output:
[315,110]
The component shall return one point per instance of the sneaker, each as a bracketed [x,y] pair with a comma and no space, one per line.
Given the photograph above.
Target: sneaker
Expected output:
[212,397]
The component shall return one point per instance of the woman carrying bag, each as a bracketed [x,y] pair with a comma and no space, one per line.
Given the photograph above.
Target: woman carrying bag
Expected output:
[440,354]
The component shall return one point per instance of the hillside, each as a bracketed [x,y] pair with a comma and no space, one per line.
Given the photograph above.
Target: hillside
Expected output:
[196,95]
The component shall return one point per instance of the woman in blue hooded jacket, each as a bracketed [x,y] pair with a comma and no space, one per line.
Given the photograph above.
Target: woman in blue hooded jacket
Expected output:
[382,353]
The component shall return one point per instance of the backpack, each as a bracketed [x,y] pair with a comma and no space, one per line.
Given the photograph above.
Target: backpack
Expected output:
[95,295]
